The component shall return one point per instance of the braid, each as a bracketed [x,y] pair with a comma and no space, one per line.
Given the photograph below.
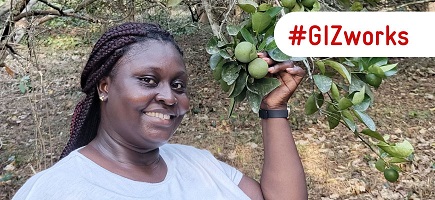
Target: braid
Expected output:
[104,56]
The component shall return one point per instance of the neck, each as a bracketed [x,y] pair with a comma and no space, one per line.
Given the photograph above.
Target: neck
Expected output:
[124,154]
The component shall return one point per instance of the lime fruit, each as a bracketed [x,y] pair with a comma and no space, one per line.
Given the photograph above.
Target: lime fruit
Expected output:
[373,80]
[308,3]
[288,3]
[245,52]
[258,68]
[391,175]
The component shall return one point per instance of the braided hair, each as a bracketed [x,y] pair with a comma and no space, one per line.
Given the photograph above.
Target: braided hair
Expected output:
[106,52]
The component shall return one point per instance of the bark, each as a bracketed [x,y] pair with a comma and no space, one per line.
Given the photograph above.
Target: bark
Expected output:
[211,18]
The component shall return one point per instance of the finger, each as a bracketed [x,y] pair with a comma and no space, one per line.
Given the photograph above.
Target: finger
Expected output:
[266,58]
[262,55]
[280,67]
[296,70]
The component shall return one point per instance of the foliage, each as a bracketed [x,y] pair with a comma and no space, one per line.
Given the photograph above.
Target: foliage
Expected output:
[342,87]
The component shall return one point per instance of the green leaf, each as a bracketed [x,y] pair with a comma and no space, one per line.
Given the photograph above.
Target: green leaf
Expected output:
[240,83]
[231,107]
[233,30]
[248,6]
[212,47]
[247,35]
[364,105]
[264,7]
[321,66]
[224,53]
[171,3]
[339,68]
[357,85]
[389,70]
[230,72]
[272,12]
[314,102]
[254,101]
[260,21]
[373,134]
[399,150]
[263,86]
[389,67]
[344,103]
[322,82]
[366,120]
[358,97]
[378,61]
[241,96]
[334,92]
[348,120]
[397,160]
[214,60]
[271,45]
[22,87]
[277,55]
[333,116]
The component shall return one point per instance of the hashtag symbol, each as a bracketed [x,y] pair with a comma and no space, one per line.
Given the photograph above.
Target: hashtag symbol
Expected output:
[296,35]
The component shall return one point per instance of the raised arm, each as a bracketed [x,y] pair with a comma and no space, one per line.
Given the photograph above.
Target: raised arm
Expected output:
[283,176]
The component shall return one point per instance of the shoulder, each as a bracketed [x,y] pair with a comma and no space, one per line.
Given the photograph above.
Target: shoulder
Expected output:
[59,176]
[184,150]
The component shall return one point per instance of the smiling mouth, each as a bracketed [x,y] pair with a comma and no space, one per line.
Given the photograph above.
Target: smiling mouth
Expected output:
[159,115]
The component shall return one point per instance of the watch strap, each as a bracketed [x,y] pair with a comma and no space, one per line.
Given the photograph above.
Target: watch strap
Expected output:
[265,114]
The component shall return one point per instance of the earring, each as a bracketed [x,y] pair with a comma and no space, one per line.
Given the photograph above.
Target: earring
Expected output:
[102,98]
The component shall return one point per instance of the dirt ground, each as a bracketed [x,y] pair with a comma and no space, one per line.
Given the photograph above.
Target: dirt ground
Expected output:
[34,126]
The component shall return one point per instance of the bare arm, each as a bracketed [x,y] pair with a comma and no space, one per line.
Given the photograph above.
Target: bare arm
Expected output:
[283,175]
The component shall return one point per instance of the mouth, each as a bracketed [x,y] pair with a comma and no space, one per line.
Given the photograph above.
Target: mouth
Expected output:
[160,115]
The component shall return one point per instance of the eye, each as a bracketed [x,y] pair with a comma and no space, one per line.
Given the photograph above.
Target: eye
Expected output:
[148,80]
[180,86]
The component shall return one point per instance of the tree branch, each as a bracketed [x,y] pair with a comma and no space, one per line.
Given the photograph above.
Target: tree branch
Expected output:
[415,2]
[52,6]
[211,18]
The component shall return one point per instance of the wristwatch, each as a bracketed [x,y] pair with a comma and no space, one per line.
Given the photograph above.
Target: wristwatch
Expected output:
[266,114]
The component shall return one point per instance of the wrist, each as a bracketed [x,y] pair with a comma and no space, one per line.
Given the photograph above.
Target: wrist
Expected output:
[268,114]
[264,106]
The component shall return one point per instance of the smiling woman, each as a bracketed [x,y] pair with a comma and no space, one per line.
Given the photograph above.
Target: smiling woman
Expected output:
[135,84]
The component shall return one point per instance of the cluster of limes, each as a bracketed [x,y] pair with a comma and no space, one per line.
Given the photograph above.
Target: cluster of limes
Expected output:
[246,52]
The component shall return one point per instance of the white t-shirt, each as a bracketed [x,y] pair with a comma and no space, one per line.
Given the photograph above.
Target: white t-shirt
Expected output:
[192,174]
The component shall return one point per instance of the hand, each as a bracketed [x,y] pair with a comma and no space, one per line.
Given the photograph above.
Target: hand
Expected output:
[290,77]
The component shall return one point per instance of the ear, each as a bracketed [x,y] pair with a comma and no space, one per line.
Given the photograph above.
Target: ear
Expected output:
[103,87]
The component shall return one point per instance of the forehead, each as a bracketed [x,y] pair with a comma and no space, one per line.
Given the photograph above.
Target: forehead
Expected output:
[160,55]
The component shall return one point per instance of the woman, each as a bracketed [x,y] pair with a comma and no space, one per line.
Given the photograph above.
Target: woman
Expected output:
[135,83]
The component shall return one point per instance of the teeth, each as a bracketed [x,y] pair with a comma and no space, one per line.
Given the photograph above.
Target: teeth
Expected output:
[158,115]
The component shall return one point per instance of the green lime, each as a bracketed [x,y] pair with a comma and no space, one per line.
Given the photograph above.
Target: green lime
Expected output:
[245,52]
[380,165]
[391,175]
[373,80]
[258,68]
[308,3]
[288,3]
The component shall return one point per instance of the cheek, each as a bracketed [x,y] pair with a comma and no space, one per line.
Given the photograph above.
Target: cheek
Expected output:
[184,104]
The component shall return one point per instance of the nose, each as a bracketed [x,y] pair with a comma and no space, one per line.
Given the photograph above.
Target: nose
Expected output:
[166,95]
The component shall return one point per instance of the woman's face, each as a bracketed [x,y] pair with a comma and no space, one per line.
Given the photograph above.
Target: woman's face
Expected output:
[147,96]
